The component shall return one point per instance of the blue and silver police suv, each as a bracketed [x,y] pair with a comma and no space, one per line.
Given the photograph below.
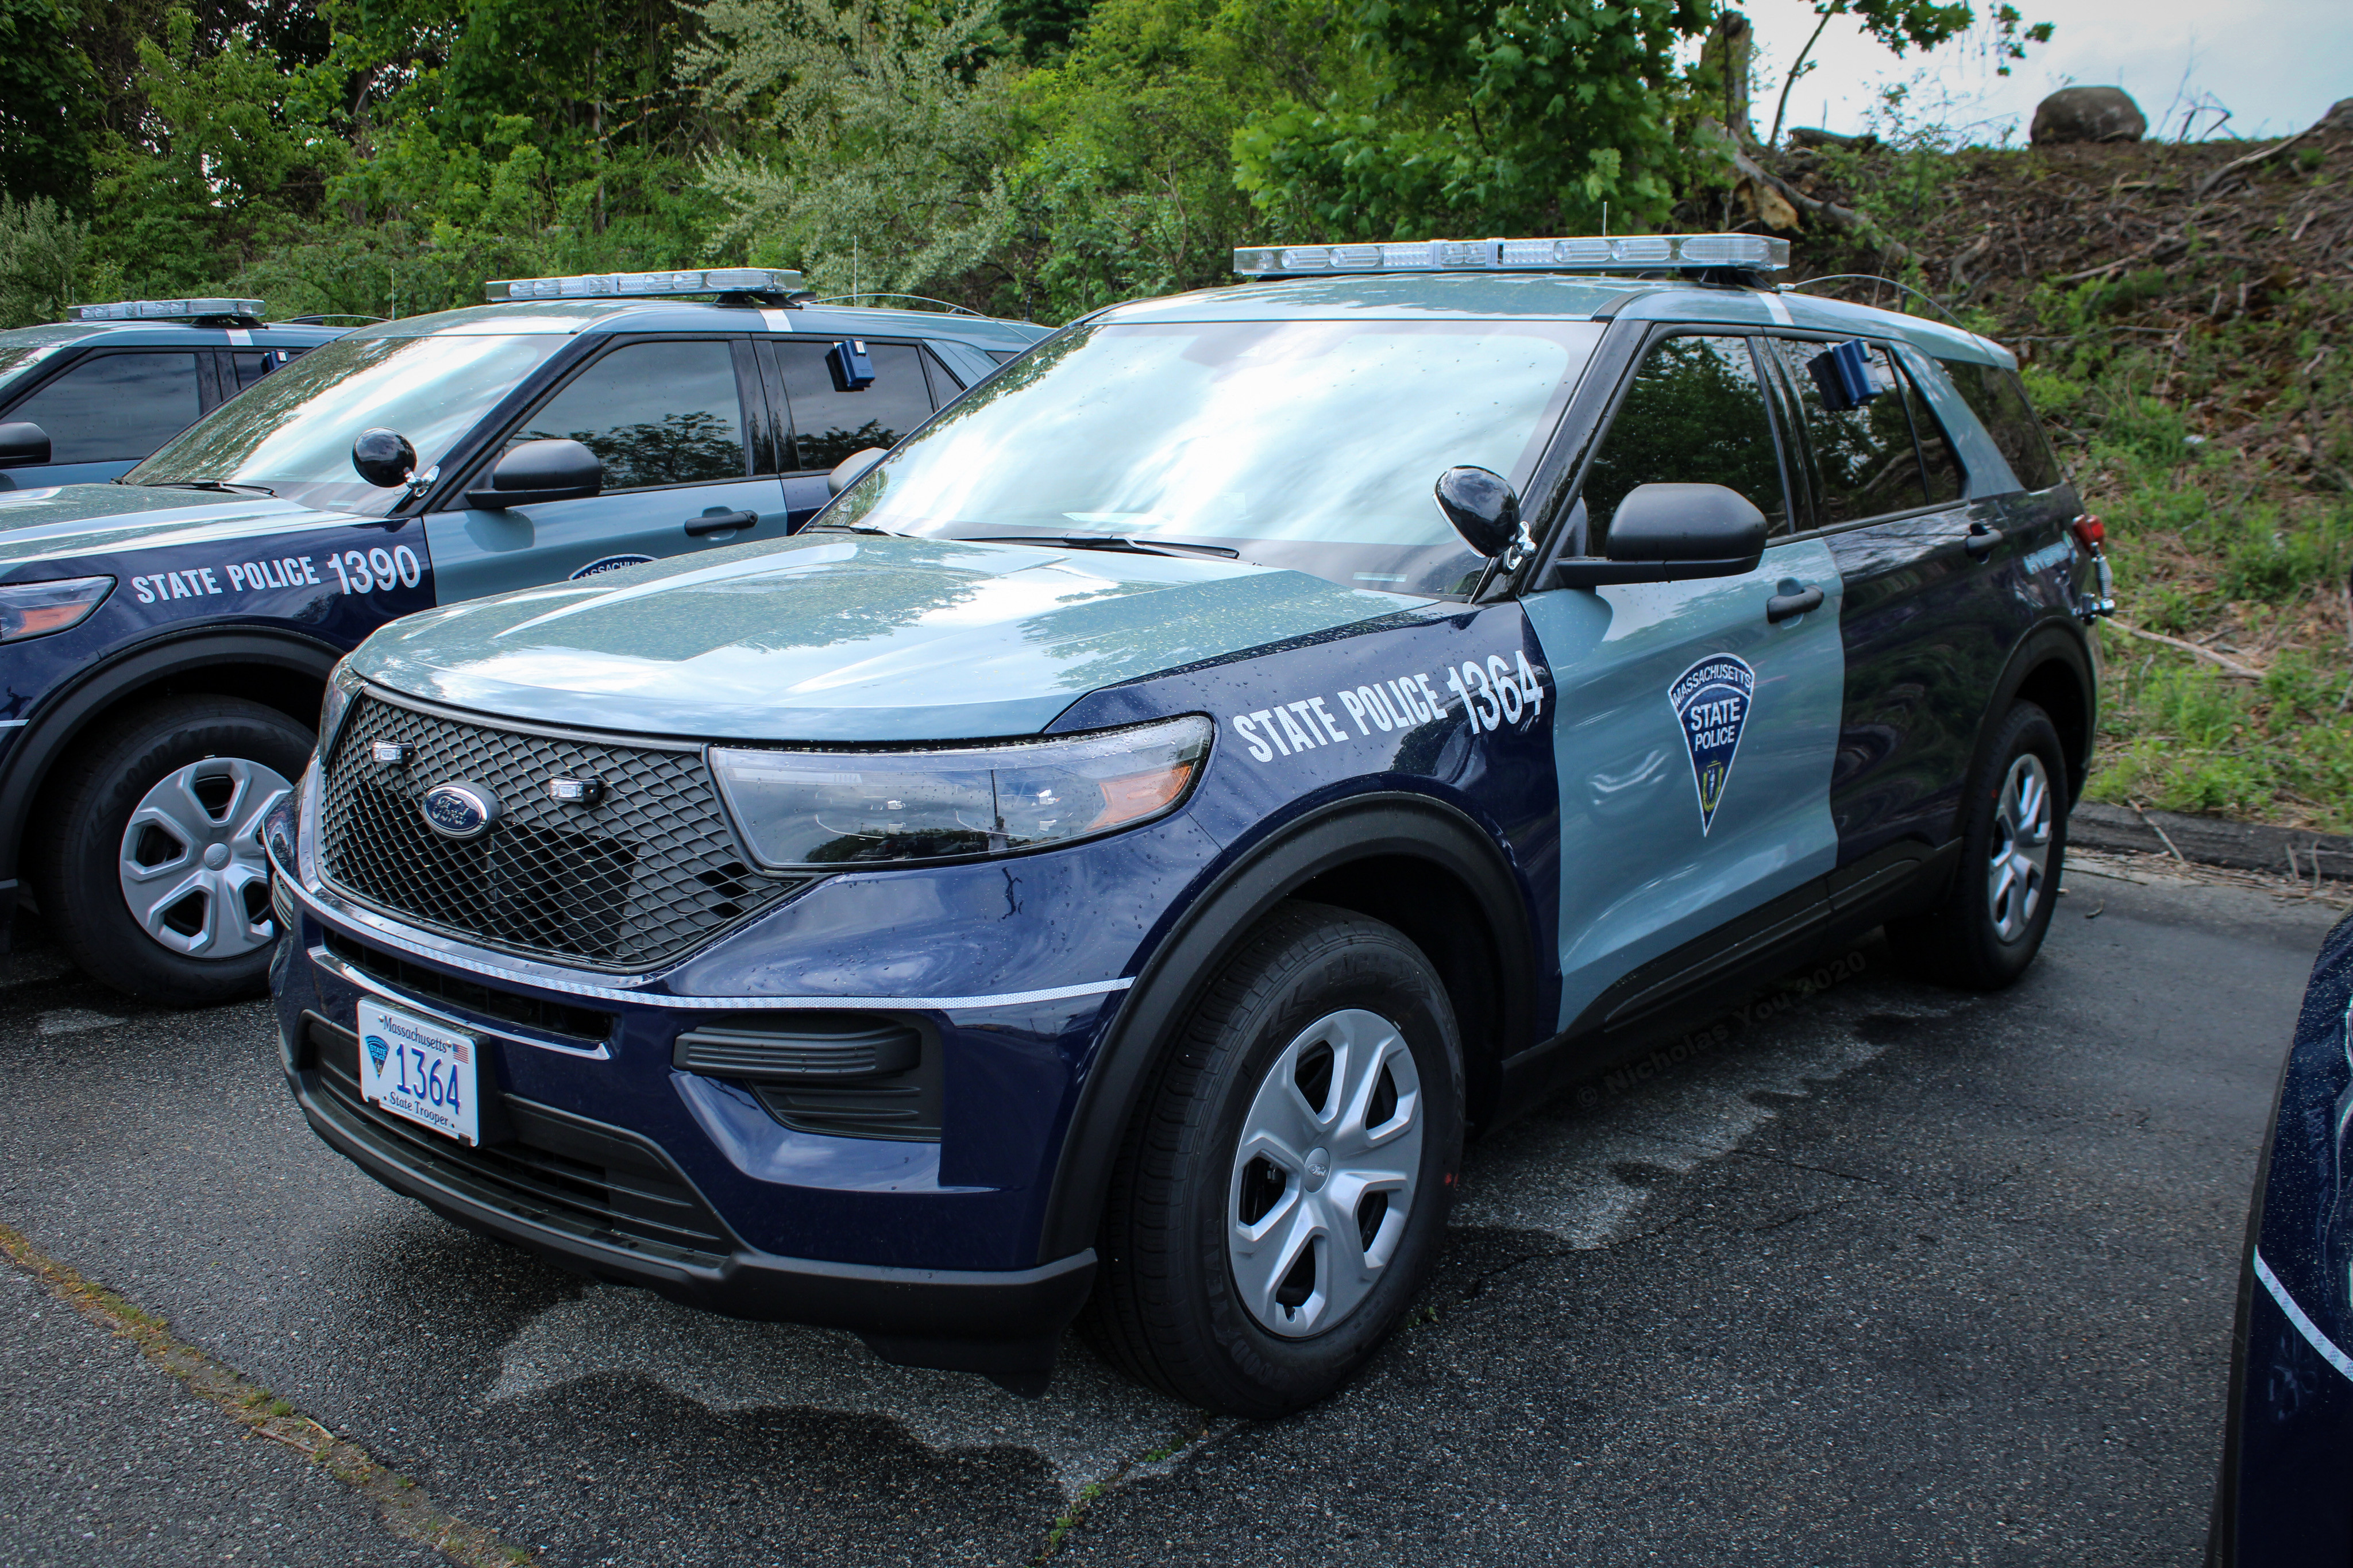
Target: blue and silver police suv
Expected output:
[84,399]
[166,638]
[2287,1447]
[1123,843]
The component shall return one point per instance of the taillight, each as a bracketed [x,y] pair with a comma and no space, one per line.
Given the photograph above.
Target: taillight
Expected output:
[2089,530]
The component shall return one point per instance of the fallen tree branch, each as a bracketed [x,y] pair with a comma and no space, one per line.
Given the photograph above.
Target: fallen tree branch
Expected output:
[2229,667]
[2164,249]
[2240,165]
[1838,217]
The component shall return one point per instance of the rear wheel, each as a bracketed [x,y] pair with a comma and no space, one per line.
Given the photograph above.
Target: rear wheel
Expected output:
[2013,847]
[156,881]
[1282,1195]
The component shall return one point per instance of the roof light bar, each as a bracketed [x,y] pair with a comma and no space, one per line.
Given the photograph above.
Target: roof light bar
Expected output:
[162,310]
[624,285]
[1671,252]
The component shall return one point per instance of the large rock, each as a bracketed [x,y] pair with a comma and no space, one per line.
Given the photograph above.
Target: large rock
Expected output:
[2087,114]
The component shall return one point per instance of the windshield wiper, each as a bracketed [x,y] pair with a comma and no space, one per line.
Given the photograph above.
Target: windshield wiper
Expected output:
[224,487]
[1104,541]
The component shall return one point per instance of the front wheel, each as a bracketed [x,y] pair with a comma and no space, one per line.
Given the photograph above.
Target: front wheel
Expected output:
[155,879]
[2013,847]
[1281,1196]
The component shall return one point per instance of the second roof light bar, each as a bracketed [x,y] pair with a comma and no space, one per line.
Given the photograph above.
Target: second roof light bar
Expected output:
[1674,252]
[613,285]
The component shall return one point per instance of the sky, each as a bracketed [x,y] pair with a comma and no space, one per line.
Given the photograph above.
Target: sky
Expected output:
[2274,65]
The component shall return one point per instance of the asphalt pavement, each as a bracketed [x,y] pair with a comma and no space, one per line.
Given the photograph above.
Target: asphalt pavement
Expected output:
[1867,1272]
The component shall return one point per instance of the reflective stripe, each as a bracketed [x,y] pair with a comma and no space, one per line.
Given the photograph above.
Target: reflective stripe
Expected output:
[378,929]
[2304,1325]
[1779,308]
[778,320]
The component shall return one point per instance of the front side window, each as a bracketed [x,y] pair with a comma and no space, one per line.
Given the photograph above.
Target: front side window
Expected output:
[291,432]
[657,414]
[1694,416]
[1310,444]
[830,421]
[114,406]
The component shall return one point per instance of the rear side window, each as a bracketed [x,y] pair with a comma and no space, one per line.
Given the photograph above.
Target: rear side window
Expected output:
[657,414]
[1938,463]
[1998,400]
[254,364]
[1866,464]
[1694,416]
[114,406]
[830,421]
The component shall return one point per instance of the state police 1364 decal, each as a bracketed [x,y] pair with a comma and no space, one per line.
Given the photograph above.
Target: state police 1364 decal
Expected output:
[1712,700]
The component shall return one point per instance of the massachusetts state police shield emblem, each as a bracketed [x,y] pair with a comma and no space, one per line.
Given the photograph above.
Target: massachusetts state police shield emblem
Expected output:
[1710,701]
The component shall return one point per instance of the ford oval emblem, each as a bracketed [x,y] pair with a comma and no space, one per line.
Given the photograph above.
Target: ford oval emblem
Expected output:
[462,812]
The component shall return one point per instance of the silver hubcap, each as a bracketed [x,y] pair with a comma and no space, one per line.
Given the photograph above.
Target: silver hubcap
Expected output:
[2021,864]
[1323,1176]
[193,868]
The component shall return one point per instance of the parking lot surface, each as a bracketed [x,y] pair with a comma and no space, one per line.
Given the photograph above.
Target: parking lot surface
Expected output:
[1865,1272]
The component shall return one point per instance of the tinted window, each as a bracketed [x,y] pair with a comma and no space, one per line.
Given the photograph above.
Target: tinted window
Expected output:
[829,424]
[255,363]
[658,414]
[1695,415]
[1002,355]
[1939,462]
[114,406]
[1999,401]
[1864,462]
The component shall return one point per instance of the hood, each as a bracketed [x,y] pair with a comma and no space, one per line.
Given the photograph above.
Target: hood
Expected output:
[846,637]
[70,521]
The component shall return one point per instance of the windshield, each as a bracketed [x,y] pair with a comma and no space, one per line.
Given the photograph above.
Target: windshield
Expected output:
[291,432]
[1310,444]
[14,357]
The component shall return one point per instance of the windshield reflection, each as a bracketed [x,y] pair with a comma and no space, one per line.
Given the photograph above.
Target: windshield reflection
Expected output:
[292,431]
[1308,444]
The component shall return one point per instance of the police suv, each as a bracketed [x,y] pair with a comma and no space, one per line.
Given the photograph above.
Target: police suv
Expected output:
[1123,843]
[86,398]
[166,638]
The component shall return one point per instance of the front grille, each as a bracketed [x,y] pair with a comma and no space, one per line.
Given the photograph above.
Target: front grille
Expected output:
[560,1171]
[644,875]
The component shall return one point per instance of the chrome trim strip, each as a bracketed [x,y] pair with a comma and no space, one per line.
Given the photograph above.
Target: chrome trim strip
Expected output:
[380,930]
[2304,1325]
[403,1000]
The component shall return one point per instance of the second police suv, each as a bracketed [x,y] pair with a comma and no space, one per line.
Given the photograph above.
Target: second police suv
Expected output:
[1117,850]
[164,638]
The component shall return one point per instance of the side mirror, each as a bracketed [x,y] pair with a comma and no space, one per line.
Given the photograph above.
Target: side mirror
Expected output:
[1670,533]
[541,472]
[852,469]
[1485,511]
[383,457]
[23,444]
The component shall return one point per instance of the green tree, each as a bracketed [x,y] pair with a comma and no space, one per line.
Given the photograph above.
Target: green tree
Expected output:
[46,84]
[40,252]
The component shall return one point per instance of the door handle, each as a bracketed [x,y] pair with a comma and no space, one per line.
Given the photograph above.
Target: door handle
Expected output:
[1981,541]
[721,522]
[1782,607]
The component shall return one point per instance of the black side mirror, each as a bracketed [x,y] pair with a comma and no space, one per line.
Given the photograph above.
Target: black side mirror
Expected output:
[1670,533]
[541,472]
[23,444]
[383,457]
[852,469]
[1485,511]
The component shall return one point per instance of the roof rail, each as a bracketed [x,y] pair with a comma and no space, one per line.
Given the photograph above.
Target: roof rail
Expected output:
[953,309]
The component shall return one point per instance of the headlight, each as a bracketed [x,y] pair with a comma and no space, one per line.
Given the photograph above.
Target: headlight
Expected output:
[809,809]
[342,686]
[37,609]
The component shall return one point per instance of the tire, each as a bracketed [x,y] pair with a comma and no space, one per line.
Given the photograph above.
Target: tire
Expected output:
[1992,921]
[199,773]
[1320,1007]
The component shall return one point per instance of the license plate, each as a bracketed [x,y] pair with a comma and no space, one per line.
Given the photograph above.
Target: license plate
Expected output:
[418,1069]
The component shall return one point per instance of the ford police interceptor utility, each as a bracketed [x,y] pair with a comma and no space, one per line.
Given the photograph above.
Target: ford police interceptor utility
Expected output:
[166,638]
[85,399]
[1122,845]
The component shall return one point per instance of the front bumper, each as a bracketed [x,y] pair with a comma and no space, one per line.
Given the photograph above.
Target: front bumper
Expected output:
[535,1193]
